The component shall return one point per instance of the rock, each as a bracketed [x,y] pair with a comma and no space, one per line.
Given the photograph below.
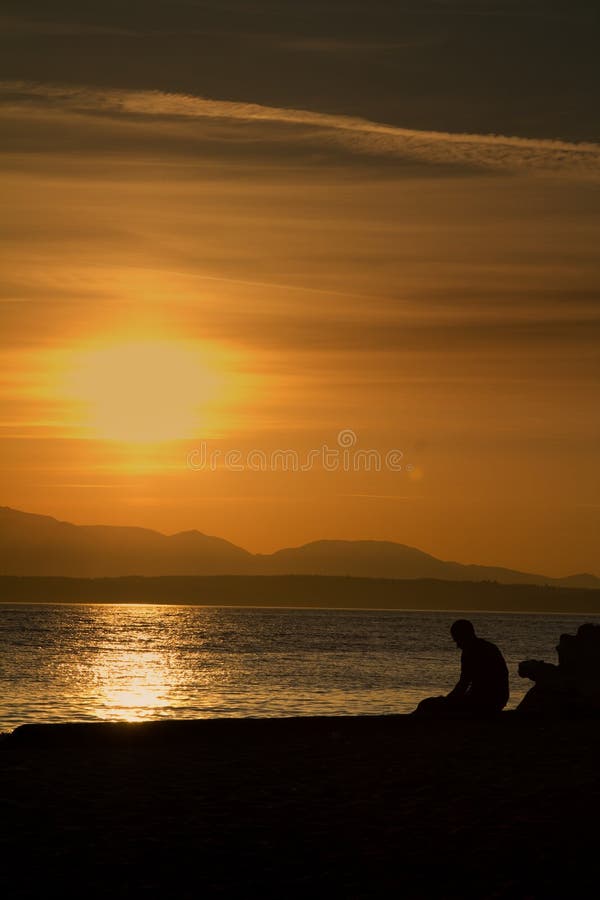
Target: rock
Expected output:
[573,686]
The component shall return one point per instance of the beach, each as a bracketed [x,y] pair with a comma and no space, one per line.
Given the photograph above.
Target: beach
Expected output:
[360,806]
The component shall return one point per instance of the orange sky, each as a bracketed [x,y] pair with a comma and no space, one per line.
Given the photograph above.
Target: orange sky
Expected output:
[175,275]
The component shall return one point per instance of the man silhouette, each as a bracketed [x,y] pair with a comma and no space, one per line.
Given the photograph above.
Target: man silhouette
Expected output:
[482,688]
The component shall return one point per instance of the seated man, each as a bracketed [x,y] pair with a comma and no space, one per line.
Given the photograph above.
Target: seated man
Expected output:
[482,689]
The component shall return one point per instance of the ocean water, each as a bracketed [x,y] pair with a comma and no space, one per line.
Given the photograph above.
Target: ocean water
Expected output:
[63,663]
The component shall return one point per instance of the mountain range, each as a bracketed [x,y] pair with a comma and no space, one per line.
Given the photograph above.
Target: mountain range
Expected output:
[43,546]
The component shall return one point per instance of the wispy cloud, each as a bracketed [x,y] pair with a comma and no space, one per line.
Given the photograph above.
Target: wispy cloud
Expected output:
[481,151]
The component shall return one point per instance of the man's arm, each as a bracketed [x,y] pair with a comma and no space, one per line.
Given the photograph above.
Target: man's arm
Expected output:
[460,688]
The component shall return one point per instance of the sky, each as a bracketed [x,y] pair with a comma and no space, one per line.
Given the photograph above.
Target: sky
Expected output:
[233,228]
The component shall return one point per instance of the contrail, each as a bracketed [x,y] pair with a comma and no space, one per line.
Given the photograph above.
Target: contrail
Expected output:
[488,151]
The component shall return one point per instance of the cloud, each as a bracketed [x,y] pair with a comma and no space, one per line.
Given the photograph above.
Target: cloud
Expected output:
[478,151]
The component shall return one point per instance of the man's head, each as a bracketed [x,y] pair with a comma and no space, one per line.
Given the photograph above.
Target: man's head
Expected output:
[463,632]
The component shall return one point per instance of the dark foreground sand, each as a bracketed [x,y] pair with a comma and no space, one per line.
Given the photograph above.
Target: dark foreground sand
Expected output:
[344,807]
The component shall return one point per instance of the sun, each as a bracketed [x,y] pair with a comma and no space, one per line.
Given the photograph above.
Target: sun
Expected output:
[143,391]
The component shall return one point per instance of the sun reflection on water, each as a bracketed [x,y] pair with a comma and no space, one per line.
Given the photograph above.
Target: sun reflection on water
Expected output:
[134,673]
[137,687]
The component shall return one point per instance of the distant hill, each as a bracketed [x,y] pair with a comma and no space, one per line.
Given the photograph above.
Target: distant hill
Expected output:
[384,559]
[40,545]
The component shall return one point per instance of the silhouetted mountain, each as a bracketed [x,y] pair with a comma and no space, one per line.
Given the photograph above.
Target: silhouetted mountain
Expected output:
[40,545]
[385,559]
[382,559]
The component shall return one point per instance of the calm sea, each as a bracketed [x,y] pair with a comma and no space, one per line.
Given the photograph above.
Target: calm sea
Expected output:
[85,662]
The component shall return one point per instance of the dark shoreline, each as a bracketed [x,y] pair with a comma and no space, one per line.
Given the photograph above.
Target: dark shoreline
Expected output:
[303,592]
[342,807]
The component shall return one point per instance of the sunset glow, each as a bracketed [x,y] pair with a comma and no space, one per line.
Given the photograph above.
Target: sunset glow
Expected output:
[148,391]
[299,367]
[321,229]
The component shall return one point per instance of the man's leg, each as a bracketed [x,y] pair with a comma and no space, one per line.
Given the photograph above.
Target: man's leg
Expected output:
[433,708]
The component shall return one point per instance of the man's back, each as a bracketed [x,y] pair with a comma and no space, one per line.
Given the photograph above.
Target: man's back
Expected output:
[483,665]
